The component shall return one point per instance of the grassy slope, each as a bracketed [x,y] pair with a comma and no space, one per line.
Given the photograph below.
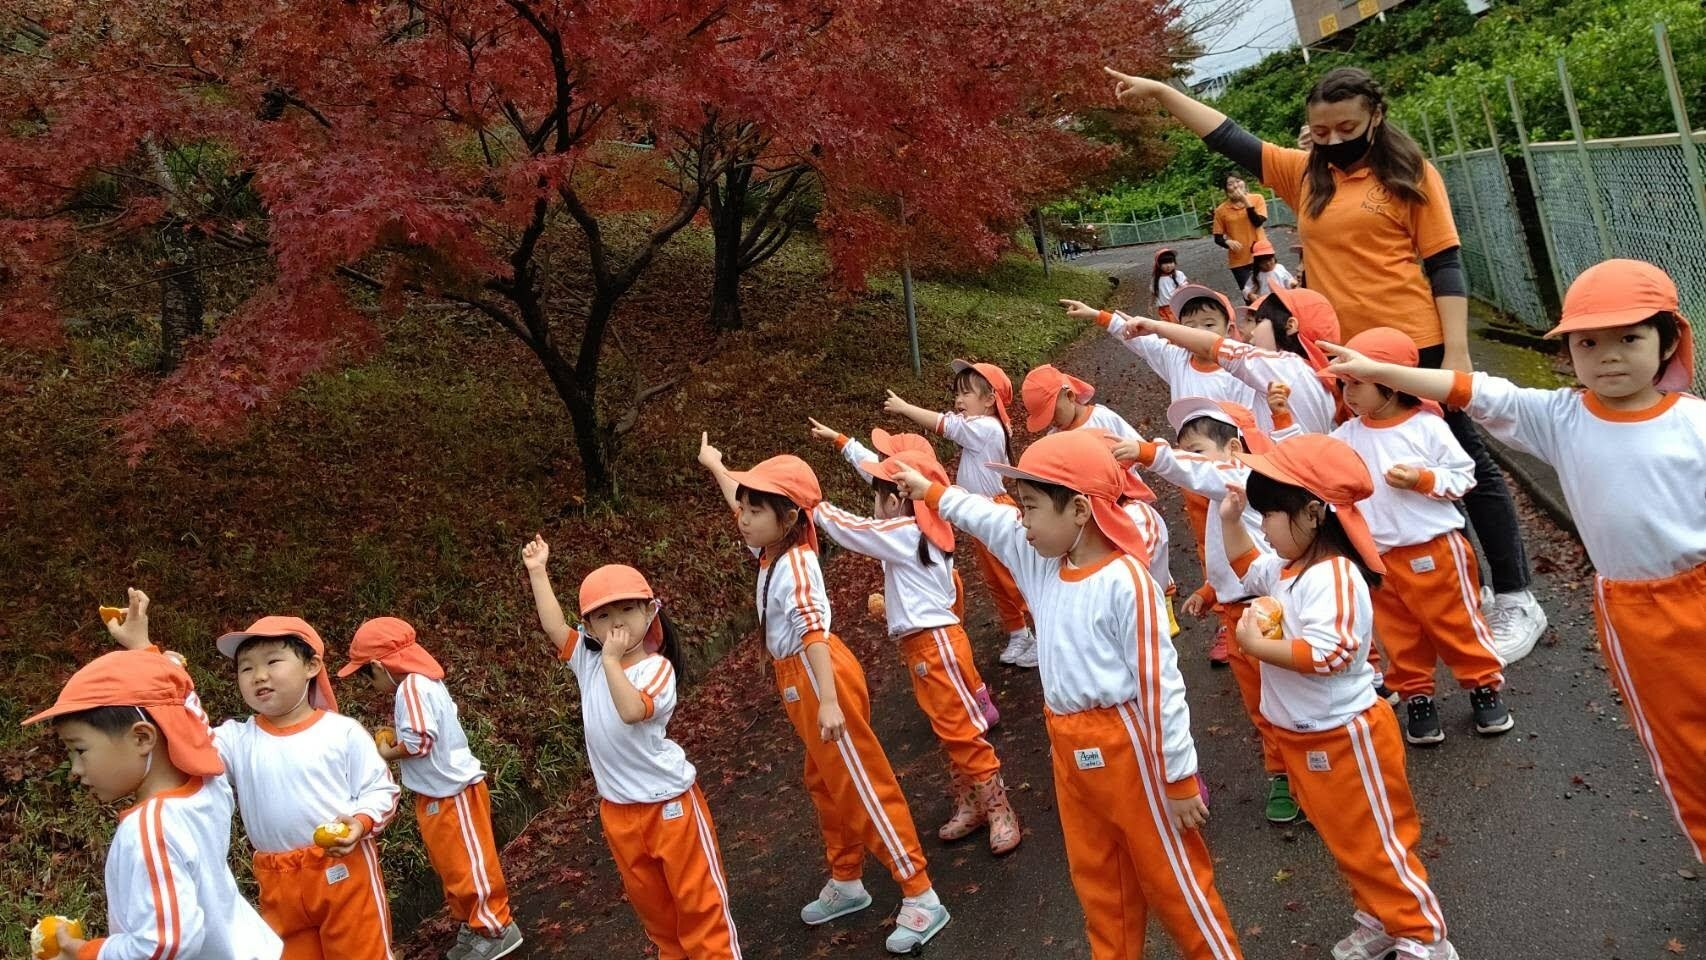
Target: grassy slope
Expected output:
[405,485]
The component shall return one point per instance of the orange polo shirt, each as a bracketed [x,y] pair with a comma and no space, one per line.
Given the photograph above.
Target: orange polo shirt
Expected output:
[1365,249]
[1234,224]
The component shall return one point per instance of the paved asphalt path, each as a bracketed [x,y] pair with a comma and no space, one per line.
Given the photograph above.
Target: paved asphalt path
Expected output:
[1551,842]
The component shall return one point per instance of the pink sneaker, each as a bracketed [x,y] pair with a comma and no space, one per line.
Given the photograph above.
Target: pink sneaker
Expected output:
[986,703]
[1218,655]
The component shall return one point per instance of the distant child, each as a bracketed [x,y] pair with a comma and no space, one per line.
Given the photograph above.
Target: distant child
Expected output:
[453,806]
[1297,321]
[916,548]
[626,657]
[128,722]
[1428,607]
[1340,745]
[1055,400]
[1137,500]
[1165,281]
[1211,435]
[980,425]
[1629,446]
[859,802]
[298,765]
[1119,727]
[1270,274]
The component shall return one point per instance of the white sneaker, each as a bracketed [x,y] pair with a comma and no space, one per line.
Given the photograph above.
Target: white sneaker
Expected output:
[1368,941]
[915,925]
[1517,621]
[1489,600]
[481,947]
[1016,643]
[831,903]
[1406,949]
[1027,657]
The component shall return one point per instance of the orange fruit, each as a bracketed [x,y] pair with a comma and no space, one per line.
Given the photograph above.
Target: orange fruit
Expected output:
[877,605]
[112,614]
[1270,617]
[385,737]
[44,937]
[330,834]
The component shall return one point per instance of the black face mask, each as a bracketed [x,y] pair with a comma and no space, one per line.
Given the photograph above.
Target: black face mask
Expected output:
[1345,153]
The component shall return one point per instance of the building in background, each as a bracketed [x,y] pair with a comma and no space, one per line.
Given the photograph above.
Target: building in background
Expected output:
[1319,20]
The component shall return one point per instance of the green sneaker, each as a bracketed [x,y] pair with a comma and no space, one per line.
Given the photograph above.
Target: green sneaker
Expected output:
[1281,807]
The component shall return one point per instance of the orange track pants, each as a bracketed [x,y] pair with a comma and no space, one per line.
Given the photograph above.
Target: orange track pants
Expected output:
[1125,855]
[1247,671]
[326,908]
[859,803]
[1428,608]
[457,832]
[1352,782]
[1650,631]
[945,682]
[672,870]
[1009,603]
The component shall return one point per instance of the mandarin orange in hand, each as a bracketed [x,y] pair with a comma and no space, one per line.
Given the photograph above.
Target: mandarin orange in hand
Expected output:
[44,936]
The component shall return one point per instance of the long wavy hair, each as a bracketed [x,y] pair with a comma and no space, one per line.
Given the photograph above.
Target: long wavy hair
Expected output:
[1393,157]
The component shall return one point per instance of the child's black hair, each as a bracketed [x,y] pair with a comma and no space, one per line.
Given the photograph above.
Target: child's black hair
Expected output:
[1263,259]
[670,646]
[1274,310]
[969,379]
[290,642]
[1669,329]
[1165,257]
[1267,495]
[779,505]
[1218,432]
[1408,401]
[112,721]
[888,488]
[1199,304]
[1059,495]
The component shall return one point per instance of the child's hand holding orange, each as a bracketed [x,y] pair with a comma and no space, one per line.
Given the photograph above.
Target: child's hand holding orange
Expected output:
[130,626]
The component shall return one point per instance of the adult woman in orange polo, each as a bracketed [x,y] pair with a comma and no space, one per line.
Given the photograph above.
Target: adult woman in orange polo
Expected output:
[1375,219]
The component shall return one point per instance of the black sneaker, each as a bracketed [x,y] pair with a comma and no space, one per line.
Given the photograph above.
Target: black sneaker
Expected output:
[1492,717]
[1388,694]
[1423,727]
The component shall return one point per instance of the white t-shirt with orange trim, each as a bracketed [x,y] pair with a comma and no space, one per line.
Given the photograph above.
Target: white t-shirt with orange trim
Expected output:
[631,762]
[915,597]
[982,441]
[1186,376]
[170,892]
[1329,622]
[1153,528]
[1102,417]
[1102,633]
[1314,408]
[1210,478]
[1635,481]
[1415,438]
[290,780]
[439,763]
[792,601]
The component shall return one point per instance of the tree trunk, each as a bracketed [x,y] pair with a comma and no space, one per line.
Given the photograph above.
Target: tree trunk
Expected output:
[1036,219]
[727,203]
[182,305]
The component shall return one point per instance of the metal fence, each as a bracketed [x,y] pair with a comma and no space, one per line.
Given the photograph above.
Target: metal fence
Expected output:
[1176,227]
[1640,197]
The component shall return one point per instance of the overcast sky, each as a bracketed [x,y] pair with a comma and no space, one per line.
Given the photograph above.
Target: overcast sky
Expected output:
[1266,26]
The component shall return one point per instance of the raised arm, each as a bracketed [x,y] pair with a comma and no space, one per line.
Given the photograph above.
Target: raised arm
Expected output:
[854,452]
[1221,134]
[997,526]
[1237,540]
[1416,381]
[917,414]
[712,459]
[890,541]
[533,557]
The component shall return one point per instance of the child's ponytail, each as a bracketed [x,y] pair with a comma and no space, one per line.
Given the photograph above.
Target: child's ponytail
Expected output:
[669,647]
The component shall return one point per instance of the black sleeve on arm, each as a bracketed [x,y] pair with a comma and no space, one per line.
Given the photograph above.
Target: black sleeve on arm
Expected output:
[1220,239]
[1445,273]
[1256,219]
[1236,144]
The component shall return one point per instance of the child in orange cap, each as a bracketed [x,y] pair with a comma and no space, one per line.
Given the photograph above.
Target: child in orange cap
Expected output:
[1429,606]
[981,426]
[453,806]
[1137,500]
[1055,401]
[1269,275]
[1339,743]
[129,721]
[626,656]
[859,802]
[1630,449]
[916,548]
[299,765]
[1119,727]
[1211,434]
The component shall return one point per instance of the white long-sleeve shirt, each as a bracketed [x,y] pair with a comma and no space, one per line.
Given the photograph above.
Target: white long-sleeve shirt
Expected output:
[982,441]
[428,726]
[631,762]
[1153,528]
[1101,630]
[1635,482]
[1168,284]
[1329,622]
[290,780]
[1404,518]
[1262,283]
[170,892]
[915,597]
[792,601]
[1210,478]
[1313,406]
[1186,376]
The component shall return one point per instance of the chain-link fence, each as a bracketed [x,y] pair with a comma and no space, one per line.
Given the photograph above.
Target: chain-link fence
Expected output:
[1495,249]
[1176,227]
